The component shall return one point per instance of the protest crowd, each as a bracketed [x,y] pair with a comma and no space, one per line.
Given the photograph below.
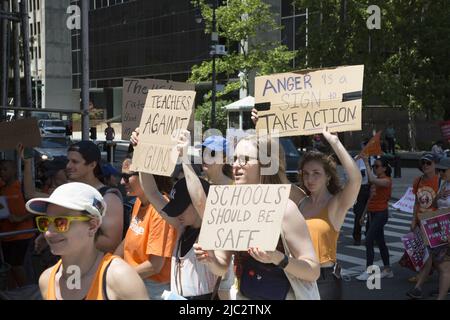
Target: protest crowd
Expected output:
[234,229]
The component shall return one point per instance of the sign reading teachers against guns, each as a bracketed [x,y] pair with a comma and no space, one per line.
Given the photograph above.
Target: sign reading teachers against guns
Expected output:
[303,102]
[134,96]
[242,216]
[166,112]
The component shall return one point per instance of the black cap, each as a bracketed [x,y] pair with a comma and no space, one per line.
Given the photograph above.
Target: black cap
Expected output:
[180,198]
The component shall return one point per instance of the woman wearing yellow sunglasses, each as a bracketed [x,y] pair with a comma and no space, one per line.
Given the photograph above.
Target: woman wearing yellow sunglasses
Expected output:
[70,220]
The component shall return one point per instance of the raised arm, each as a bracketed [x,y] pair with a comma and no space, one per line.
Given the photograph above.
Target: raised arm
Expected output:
[155,197]
[194,186]
[345,199]
[29,189]
[372,177]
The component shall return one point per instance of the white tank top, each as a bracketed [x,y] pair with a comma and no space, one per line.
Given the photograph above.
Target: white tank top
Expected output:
[188,277]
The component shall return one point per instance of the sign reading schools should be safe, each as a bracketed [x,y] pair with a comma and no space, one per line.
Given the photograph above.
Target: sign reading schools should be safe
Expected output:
[166,112]
[242,216]
[304,102]
[134,96]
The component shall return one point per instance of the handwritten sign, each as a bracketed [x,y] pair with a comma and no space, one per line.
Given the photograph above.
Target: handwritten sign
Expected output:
[437,228]
[406,203]
[25,131]
[242,216]
[416,248]
[166,112]
[303,102]
[134,96]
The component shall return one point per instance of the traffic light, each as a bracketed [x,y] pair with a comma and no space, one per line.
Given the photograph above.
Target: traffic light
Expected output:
[93,133]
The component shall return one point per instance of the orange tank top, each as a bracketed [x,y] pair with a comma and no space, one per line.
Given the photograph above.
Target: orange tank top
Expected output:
[97,286]
[323,236]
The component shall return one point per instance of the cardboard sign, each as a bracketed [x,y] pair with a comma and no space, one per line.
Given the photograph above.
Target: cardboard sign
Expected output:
[406,203]
[416,248]
[437,229]
[166,112]
[4,209]
[25,131]
[242,216]
[303,102]
[134,96]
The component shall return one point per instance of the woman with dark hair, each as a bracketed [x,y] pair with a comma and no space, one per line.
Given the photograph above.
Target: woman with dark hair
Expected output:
[325,208]
[84,166]
[378,214]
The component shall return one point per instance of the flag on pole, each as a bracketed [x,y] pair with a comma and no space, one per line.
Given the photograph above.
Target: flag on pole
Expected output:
[373,147]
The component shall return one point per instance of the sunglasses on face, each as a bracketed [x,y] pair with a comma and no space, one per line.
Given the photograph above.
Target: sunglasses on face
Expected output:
[242,160]
[61,223]
[211,152]
[126,176]
[426,162]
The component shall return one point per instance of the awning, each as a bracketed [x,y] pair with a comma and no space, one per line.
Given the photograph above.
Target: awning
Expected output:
[245,104]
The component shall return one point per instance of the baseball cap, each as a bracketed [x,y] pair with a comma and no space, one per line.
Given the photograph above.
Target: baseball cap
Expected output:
[109,170]
[428,156]
[180,198]
[216,143]
[74,195]
[443,164]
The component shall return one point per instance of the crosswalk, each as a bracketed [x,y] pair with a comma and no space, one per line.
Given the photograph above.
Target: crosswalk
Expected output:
[353,258]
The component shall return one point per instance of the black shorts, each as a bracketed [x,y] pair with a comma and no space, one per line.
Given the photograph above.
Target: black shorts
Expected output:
[14,251]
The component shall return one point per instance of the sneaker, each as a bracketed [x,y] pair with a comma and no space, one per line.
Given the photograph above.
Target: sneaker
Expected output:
[387,274]
[363,276]
[414,293]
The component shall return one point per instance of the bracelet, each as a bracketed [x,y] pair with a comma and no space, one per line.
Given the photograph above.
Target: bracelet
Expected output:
[283,263]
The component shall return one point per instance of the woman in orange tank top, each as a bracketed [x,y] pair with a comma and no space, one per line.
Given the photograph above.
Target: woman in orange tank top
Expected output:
[325,208]
[70,219]
[378,215]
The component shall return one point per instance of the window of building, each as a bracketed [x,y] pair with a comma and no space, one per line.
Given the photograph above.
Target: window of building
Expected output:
[39,51]
[32,53]
[38,2]
[293,20]
[31,29]
[34,4]
[30,5]
[38,28]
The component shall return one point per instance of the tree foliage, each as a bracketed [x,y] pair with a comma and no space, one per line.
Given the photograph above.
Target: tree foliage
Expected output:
[406,61]
[237,21]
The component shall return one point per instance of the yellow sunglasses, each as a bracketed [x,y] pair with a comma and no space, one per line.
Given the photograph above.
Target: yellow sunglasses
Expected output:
[61,223]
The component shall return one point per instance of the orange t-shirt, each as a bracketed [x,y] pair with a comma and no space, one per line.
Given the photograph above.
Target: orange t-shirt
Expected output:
[98,285]
[380,197]
[425,191]
[149,234]
[16,205]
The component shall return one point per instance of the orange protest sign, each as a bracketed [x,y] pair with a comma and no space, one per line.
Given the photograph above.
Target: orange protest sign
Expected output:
[373,147]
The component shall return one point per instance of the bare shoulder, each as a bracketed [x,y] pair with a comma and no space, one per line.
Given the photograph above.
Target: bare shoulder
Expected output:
[123,282]
[292,218]
[43,281]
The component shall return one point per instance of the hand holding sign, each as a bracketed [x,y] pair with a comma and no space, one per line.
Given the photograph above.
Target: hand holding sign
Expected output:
[203,256]
[331,138]
[134,139]
[184,139]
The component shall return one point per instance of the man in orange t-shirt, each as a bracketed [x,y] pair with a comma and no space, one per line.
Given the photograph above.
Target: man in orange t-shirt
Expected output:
[149,242]
[14,247]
